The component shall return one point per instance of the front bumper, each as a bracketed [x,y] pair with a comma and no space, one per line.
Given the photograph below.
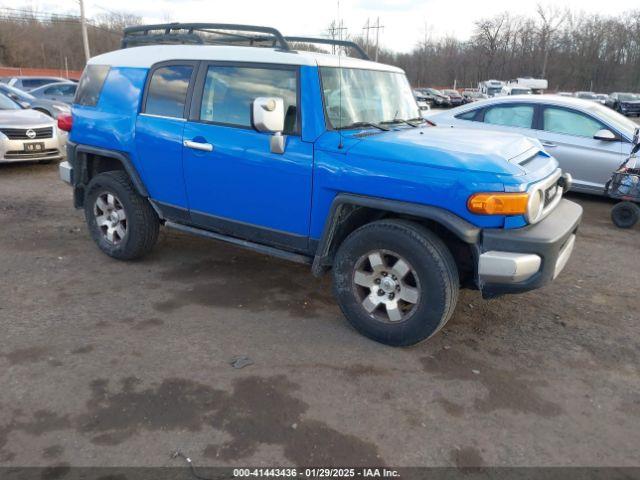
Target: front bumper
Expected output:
[14,150]
[518,260]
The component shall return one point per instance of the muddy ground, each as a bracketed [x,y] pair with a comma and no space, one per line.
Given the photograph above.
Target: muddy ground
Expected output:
[111,363]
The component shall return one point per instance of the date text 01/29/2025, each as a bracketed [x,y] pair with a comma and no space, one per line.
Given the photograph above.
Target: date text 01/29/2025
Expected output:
[315,473]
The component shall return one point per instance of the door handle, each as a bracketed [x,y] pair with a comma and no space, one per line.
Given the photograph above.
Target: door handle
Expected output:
[548,144]
[205,147]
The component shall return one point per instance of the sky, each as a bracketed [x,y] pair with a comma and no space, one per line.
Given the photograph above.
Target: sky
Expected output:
[405,21]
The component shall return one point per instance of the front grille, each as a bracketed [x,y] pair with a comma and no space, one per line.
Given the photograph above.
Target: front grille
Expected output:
[550,194]
[22,155]
[21,133]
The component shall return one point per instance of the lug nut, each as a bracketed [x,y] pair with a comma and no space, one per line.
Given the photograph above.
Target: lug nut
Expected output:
[384,274]
[391,296]
[377,281]
[380,292]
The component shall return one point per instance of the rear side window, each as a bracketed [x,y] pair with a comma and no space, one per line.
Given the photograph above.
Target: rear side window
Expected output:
[35,82]
[90,85]
[468,115]
[510,116]
[167,91]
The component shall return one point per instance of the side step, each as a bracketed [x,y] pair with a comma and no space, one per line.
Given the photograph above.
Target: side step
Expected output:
[257,247]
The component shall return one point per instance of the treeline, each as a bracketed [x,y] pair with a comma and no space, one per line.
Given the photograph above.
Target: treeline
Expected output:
[573,51]
[31,39]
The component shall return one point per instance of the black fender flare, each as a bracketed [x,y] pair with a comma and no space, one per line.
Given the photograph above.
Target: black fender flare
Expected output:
[464,230]
[73,151]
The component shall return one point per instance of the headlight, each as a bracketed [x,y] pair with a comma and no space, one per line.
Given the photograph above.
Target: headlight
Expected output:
[498,203]
[535,206]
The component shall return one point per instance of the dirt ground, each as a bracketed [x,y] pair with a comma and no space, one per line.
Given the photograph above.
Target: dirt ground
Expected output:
[109,363]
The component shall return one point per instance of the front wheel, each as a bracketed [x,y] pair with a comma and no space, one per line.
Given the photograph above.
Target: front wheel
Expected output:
[396,282]
[625,214]
[122,223]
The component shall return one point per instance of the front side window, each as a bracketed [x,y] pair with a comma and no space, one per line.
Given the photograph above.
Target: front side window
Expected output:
[167,91]
[229,93]
[569,122]
[354,95]
[90,85]
[510,115]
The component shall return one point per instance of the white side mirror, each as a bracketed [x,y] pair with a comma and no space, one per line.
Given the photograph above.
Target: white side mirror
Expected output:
[606,135]
[268,114]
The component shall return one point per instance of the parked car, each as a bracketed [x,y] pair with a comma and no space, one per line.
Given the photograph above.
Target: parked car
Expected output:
[565,94]
[473,96]
[589,140]
[625,103]
[421,100]
[455,99]
[587,96]
[515,90]
[60,91]
[49,107]
[27,83]
[209,140]
[602,98]
[438,98]
[27,135]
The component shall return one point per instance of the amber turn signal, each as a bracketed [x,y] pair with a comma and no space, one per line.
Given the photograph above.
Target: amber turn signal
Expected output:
[498,203]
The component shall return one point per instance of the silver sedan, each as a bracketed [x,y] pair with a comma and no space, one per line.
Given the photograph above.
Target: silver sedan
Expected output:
[589,140]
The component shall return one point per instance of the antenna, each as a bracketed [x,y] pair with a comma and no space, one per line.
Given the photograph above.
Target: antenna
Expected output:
[340,144]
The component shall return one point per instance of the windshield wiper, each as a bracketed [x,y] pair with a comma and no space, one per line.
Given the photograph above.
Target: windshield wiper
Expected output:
[364,124]
[401,120]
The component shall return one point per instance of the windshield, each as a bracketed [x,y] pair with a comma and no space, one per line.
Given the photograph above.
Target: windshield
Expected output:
[7,104]
[494,90]
[452,92]
[368,96]
[620,122]
[24,96]
[627,97]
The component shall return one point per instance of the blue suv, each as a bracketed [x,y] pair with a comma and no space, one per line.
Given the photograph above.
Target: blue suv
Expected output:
[316,158]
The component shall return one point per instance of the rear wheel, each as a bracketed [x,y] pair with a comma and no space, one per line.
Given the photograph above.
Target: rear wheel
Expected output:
[625,214]
[122,223]
[396,282]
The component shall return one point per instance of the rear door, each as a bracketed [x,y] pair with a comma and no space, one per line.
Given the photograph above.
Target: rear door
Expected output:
[159,129]
[567,134]
[235,184]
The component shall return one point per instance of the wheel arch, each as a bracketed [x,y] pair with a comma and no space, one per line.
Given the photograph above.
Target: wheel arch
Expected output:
[89,161]
[349,212]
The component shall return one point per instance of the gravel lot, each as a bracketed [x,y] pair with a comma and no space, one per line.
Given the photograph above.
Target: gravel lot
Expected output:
[110,363]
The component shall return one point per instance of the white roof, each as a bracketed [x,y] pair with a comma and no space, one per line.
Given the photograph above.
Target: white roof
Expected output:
[146,56]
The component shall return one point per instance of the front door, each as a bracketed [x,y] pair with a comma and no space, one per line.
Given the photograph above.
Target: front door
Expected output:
[568,135]
[235,184]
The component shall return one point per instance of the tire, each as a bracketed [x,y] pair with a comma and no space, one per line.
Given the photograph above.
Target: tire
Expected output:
[108,195]
[625,214]
[432,273]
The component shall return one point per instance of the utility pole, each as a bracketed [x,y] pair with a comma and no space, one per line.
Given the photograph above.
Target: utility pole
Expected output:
[335,30]
[85,36]
[366,36]
[377,28]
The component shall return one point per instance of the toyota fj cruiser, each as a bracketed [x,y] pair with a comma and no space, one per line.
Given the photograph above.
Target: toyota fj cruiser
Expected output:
[316,158]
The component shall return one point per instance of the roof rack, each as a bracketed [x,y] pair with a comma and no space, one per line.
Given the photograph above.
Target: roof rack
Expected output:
[201,34]
[330,41]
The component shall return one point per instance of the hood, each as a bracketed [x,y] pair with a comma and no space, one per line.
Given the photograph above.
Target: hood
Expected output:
[445,147]
[23,118]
